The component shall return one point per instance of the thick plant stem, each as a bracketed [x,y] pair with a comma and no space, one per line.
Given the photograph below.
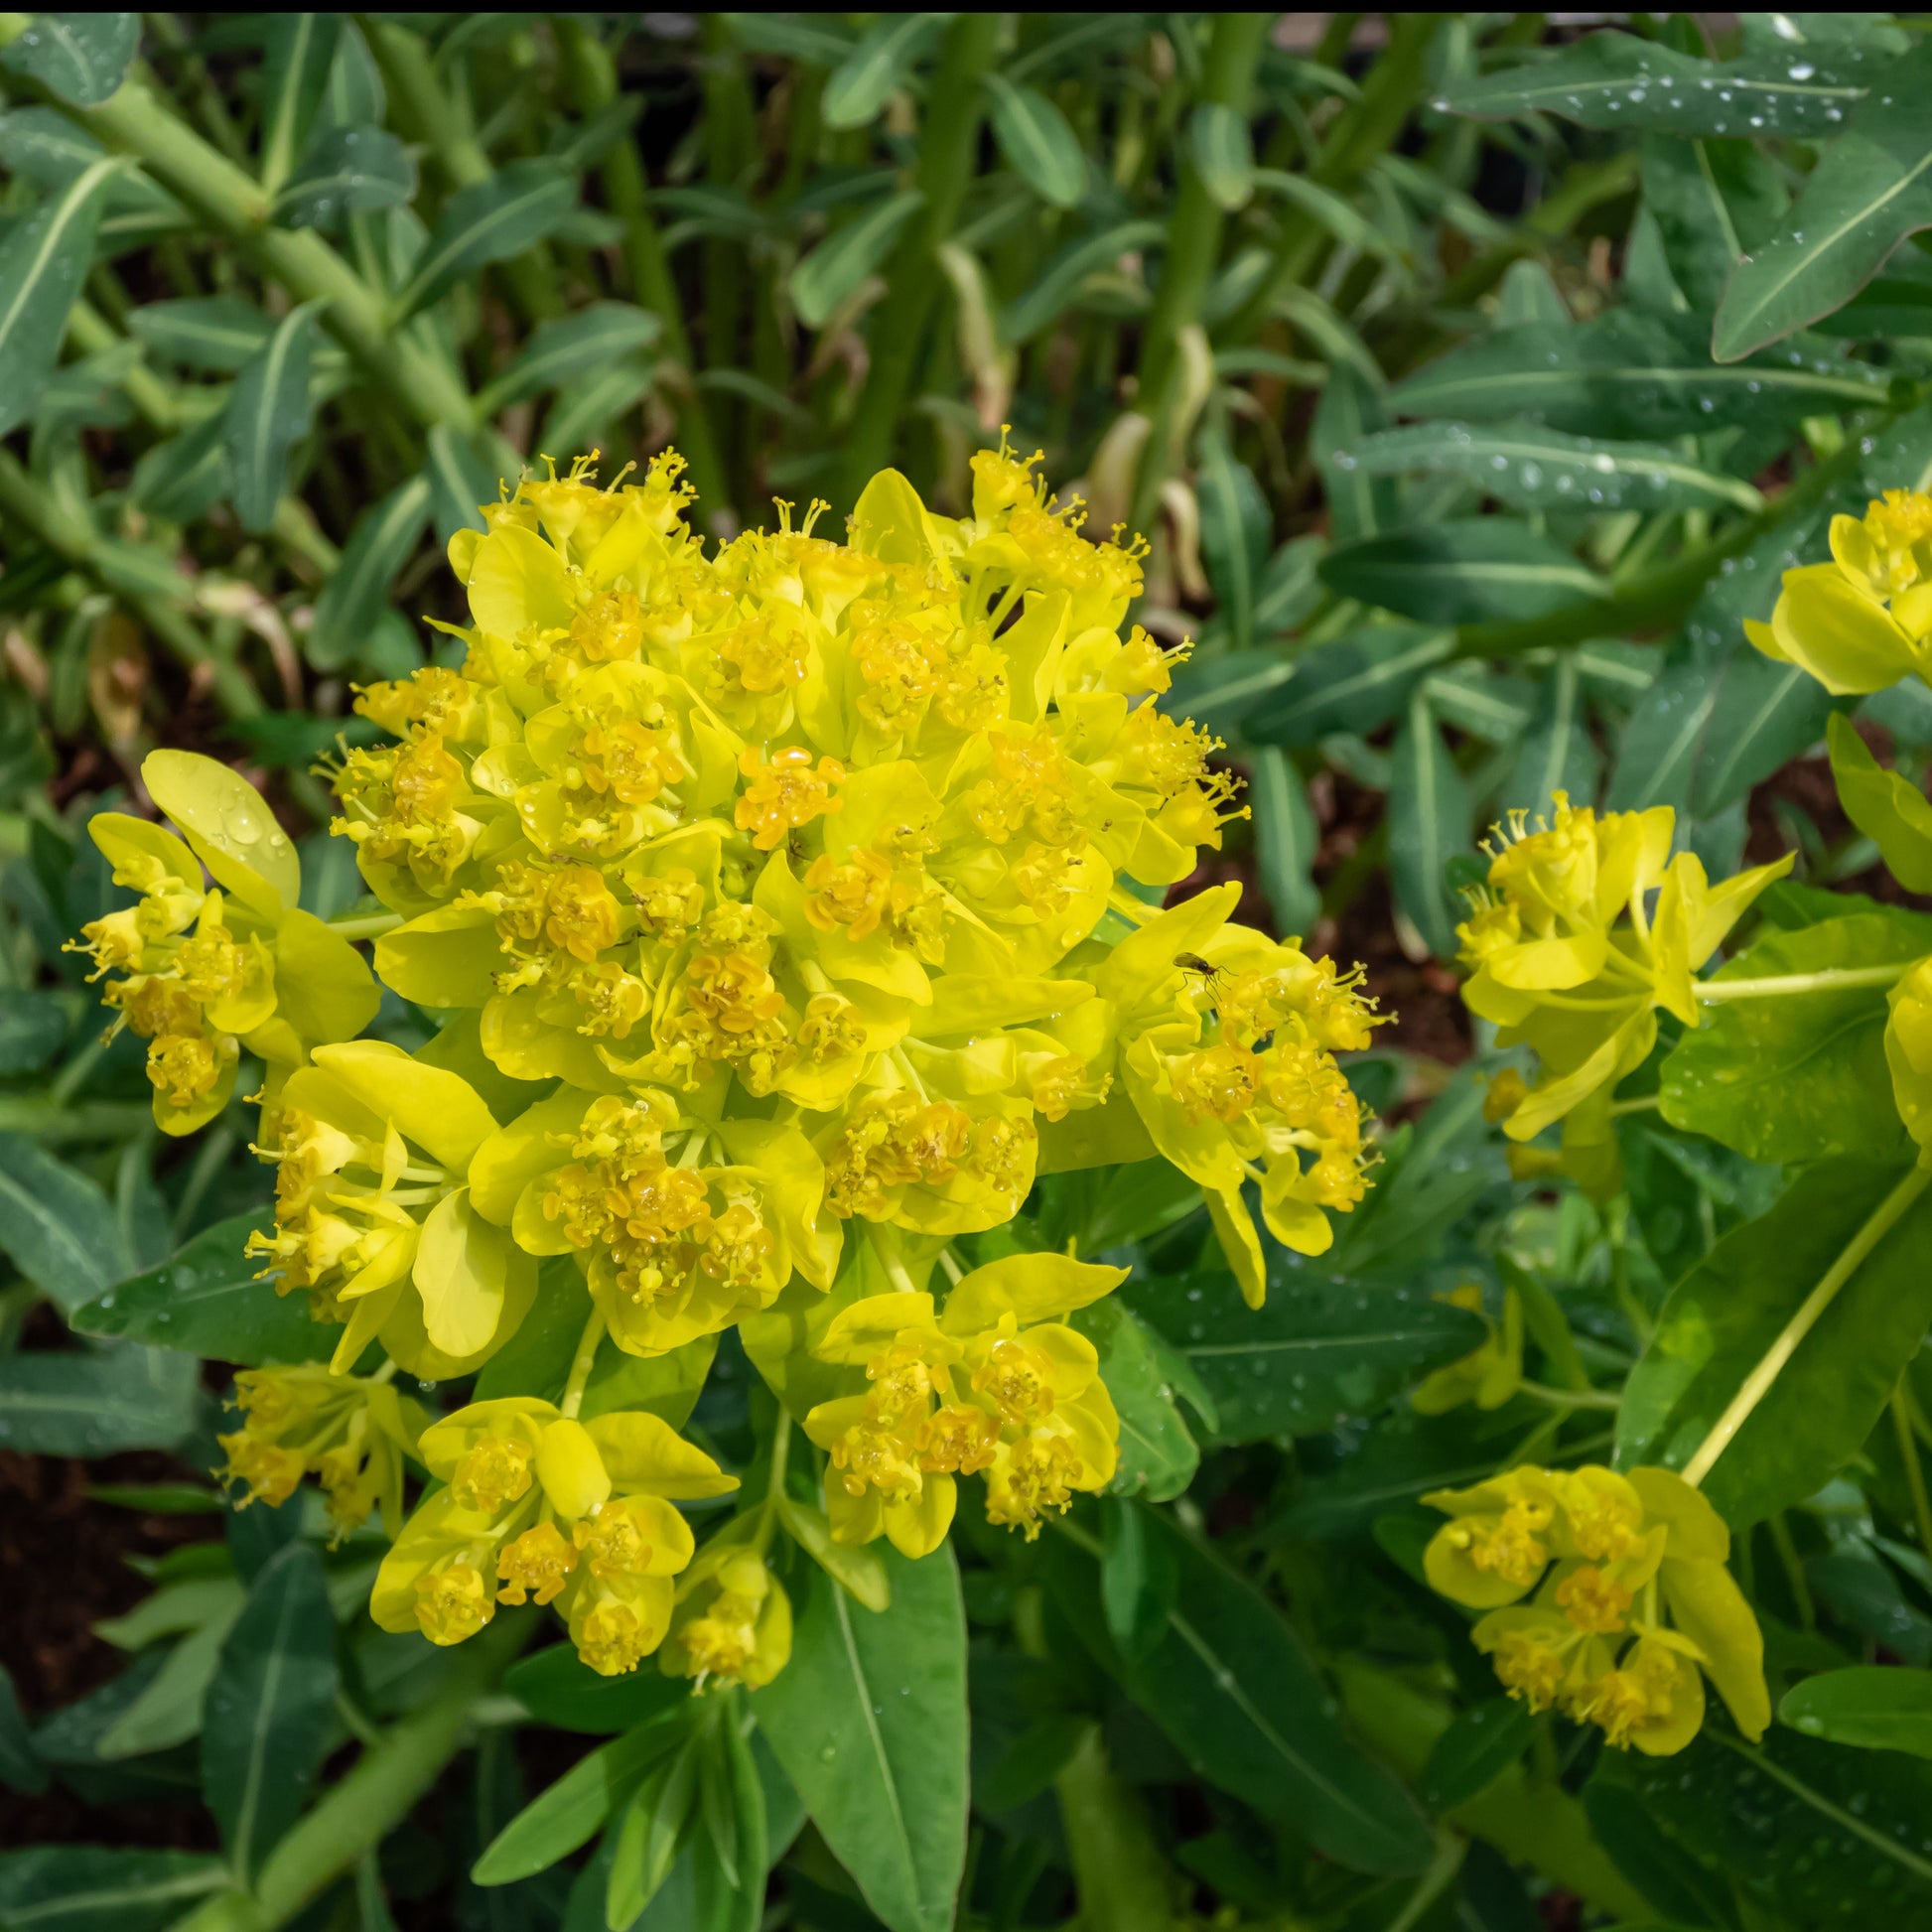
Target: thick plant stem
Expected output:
[1778,986]
[897,334]
[1883,1218]
[592,76]
[1122,1884]
[355,1816]
[582,1363]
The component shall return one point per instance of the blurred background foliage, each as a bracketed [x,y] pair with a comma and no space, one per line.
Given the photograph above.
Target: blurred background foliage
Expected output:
[1472,383]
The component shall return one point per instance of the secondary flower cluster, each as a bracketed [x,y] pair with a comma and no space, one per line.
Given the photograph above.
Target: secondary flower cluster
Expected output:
[1632,1599]
[782,912]
[1569,954]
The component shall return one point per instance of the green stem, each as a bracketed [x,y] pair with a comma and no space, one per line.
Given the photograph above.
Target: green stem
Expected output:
[1777,985]
[582,1363]
[1571,1398]
[1758,1382]
[365,925]
[1123,1882]
[356,1815]
[897,334]
[1794,1571]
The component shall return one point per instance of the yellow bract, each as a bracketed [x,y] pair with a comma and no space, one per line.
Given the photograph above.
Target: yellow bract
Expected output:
[1585,929]
[1632,1599]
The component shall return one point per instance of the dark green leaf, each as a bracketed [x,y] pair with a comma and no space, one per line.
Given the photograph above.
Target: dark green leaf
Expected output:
[1556,754]
[352,601]
[220,333]
[347,171]
[269,412]
[1138,1578]
[1629,374]
[869,1721]
[860,84]
[464,472]
[1286,839]
[1616,80]
[1040,306]
[1476,1749]
[1765,713]
[32,1028]
[1793,1078]
[1322,1348]
[1874,1706]
[186,476]
[269,1706]
[1473,570]
[1673,1882]
[298,51]
[1872,188]
[211,1300]
[1235,528]
[1721,1320]
[571,346]
[1429,810]
[43,263]
[487,221]
[1713,201]
[94,1404]
[55,1225]
[1038,145]
[1361,502]
[20,1766]
[649,1837]
[1864,1594]
[79,57]
[92,1887]
[1158,1457]
[1237,1696]
[561,1689]
[824,279]
[1355,682]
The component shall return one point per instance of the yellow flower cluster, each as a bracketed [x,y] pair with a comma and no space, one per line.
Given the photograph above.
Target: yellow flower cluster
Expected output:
[773,905]
[1863,620]
[1632,1599]
[1569,954]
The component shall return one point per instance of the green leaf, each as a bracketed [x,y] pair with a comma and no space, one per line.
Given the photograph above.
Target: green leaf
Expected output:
[356,96]
[1038,145]
[1037,308]
[168,1710]
[570,347]
[90,1887]
[1223,153]
[1621,82]
[1158,1457]
[1713,201]
[210,1300]
[666,1385]
[383,540]
[20,1766]
[1360,503]
[1718,1322]
[561,1689]
[731,1851]
[1323,1347]
[648,1838]
[830,273]
[184,478]
[1238,1697]
[859,1569]
[43,263]
[1235,528]
[215,333]
[1355,682]
[1556,754]
[869,1721]
[1476,1749]
[1331,212]
[1875,1707]
[298,53]
[1872,188]
[582,412]
[1803,1076]
[1285,840]
[1220,693]
[269,412]
[1629,374]
[270,1706]
[466,471]
[56,1226]
[1812,1833]
[861,82]
[555,1823]
[1889,810]
[1532,467]
[96,1404]
[81,57]
[347,171]
[32,1028]
[1429,810]
[1139,1583]
[490,220]
[1765,713]
[1471,570]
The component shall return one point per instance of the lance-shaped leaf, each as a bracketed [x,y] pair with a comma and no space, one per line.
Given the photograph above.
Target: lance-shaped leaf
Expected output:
[1872,188]
[269,1706]
[1469,570]
[1040,306]
[68,1403]
[1722,1318]
[355,596]
[570,347]
[1428,824]
[43,263]
[298,53]
[510,211]
[73,1887]
[1286,839]
[1235,528]
[863,81]
[1038,145]
[1556,752]
[1616,80]
[1362,502]
[347,171]
[1713,201]
[869,1721]
[1530,466]
[1875,1707]
[1222,150]
[835,268]
[216,335]
[56,1226]
[557,1821]
[1889,810]
[269,412]
[81,57]
[1354,682]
